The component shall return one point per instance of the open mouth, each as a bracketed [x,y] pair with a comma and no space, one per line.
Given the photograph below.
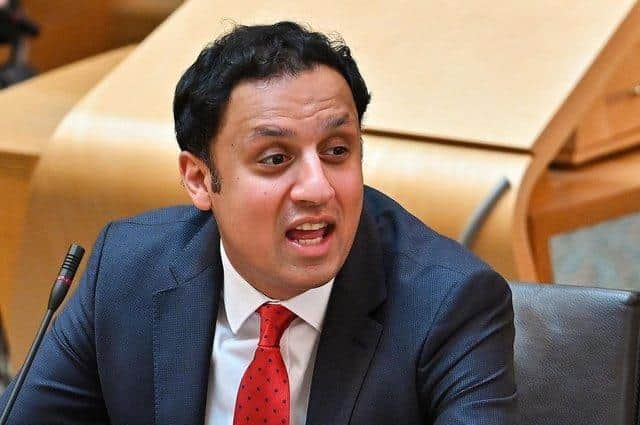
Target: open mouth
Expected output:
[308,234]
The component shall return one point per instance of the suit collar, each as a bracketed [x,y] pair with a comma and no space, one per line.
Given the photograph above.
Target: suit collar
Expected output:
[185,313]
[350,335]
[201,252]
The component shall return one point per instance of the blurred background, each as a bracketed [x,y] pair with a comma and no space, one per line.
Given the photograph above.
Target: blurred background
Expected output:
[583,190]
[37,36]
[72,30]
[56,33]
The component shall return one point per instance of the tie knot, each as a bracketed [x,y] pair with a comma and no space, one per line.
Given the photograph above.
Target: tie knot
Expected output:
[274,319]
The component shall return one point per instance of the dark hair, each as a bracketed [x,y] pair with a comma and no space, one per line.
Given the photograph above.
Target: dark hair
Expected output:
[252,52]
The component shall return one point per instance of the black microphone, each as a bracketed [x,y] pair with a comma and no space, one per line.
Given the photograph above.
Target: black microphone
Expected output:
[58,292]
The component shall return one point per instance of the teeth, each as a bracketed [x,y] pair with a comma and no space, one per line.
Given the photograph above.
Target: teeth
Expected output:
[305,242]
[311,226]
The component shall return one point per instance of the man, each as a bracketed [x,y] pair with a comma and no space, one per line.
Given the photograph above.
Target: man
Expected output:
[291,294]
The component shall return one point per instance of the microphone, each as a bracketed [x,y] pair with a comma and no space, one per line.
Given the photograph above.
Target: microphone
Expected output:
[58,292]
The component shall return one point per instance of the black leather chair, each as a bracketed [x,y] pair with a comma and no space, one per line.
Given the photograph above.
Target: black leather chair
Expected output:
[576,354]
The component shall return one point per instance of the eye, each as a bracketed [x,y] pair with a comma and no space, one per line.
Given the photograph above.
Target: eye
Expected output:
[336,153]
[338,150]
[275,159]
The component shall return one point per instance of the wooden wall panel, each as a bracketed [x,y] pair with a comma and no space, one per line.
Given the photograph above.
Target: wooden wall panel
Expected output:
[75,29]
[15,175]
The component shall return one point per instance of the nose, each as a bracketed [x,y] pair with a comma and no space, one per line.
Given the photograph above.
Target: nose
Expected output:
[312,186]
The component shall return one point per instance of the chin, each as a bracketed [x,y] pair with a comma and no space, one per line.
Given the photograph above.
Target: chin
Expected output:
[312,278]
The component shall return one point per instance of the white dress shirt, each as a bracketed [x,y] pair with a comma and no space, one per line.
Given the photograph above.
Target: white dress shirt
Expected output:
[236,339]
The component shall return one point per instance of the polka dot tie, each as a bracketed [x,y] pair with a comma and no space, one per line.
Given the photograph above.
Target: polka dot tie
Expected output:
[263,396]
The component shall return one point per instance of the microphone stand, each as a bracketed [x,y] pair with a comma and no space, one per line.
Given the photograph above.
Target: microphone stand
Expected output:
[58,292]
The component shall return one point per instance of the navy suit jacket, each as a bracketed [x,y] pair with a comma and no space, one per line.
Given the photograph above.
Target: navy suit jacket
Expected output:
[417,330]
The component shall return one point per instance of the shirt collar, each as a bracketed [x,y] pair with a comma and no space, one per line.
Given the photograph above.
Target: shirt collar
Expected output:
[241,299]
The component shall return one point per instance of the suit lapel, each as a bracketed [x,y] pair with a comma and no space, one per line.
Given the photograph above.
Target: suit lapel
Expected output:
[184,324]
[350,335]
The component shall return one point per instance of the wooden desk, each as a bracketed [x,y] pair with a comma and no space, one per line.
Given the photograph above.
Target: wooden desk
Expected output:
[612,123]
[568,199]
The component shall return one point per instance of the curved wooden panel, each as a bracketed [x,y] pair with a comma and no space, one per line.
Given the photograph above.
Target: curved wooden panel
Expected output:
[490,72]
[443,184]
[31,111]
[516,79]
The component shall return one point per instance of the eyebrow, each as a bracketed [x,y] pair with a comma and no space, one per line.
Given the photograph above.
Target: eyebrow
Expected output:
[272,131]
[331,123]
[334,122]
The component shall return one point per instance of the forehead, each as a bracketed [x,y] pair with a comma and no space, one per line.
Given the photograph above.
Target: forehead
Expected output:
[311,94]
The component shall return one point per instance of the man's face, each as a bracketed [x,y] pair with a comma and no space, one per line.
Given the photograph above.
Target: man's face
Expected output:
[289,157]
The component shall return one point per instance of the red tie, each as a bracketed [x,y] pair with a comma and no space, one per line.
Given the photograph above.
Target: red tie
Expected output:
[263,396]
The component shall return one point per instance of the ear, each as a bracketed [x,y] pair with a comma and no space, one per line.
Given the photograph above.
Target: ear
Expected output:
[196,178]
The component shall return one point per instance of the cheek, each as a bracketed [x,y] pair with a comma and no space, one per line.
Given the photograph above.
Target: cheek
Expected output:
[348,185]
[351,194]
[257,201]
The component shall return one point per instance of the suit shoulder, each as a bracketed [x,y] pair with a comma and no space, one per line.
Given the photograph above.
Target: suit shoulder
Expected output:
[163,231]
[428,276]
[137,253]
[406,239]
[167,215]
